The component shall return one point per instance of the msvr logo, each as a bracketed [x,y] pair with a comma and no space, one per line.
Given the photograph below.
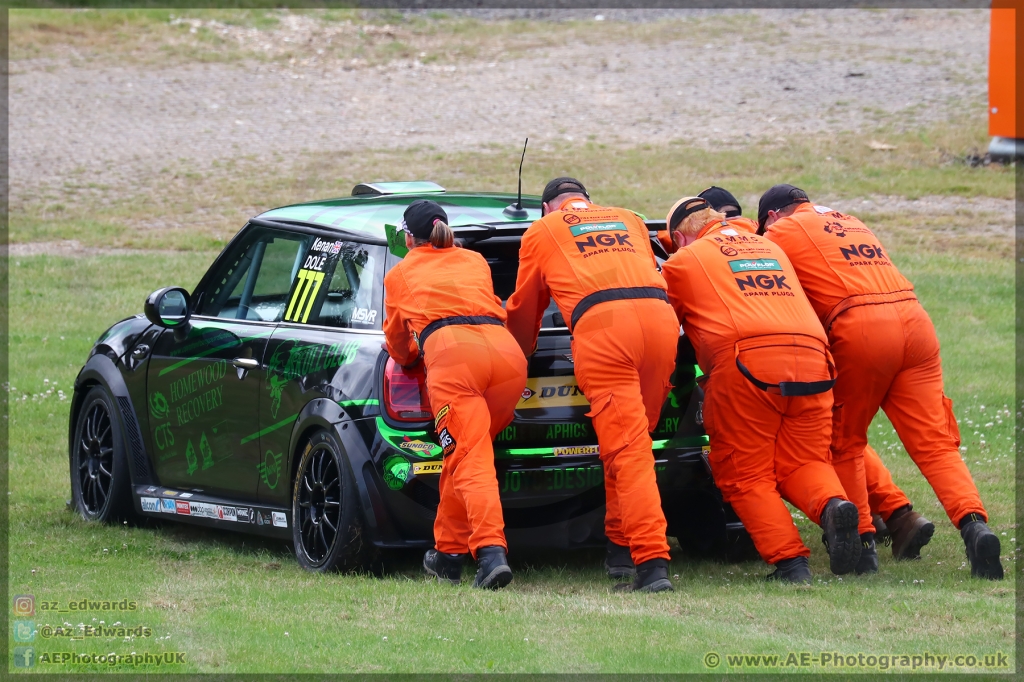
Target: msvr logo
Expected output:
[862,251]
[602,240]
[762,282]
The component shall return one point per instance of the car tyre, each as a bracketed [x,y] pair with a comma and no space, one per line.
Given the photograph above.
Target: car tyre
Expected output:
[327,521]
[100,480]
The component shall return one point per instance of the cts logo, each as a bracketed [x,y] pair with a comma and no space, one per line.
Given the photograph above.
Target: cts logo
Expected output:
[603,240]
[728,250]
[762,282]
[571,218]
[24,605]
[862,251]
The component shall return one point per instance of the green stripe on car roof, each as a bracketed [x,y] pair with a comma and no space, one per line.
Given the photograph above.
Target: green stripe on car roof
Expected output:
[367,215]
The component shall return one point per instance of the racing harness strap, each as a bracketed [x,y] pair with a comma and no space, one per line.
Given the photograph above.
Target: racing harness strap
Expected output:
[791,389]
[622,294]
[457,319]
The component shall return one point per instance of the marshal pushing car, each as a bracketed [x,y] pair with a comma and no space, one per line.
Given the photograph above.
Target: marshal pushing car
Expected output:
[262,401]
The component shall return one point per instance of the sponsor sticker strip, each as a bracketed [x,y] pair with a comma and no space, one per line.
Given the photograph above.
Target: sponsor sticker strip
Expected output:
[218,512]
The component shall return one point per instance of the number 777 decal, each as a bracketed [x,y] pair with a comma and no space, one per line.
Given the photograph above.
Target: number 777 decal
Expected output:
[306,289]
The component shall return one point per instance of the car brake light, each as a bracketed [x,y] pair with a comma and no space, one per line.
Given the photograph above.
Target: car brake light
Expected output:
[405,392]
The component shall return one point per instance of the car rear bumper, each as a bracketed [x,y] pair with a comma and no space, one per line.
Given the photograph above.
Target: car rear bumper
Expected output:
[555,502]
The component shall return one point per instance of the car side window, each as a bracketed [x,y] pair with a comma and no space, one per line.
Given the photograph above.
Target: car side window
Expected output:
[254,282]
[351,295]
[338,285]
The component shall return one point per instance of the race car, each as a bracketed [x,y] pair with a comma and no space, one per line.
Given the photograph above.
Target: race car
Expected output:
[262,401]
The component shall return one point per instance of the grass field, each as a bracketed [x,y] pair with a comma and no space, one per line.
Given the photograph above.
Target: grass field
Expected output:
[202,208]
[235,604]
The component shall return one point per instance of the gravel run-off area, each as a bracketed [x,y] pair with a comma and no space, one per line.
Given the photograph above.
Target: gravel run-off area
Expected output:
[827,71]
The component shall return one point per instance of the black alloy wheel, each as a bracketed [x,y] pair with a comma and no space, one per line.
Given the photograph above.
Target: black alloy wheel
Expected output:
[327,525]
[319,504]
[100,482]
[96,458]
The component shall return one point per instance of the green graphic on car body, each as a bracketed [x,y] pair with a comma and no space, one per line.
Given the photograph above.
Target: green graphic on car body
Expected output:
[206,452]
[396,472]
[190,458]
[301,360]
[158,406]
[163,436]
[270,469]
[395,438]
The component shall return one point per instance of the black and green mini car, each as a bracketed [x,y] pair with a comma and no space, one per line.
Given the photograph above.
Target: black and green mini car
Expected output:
[263,402]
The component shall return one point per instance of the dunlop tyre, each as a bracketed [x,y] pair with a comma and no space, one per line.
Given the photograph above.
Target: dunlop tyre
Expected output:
[346,547]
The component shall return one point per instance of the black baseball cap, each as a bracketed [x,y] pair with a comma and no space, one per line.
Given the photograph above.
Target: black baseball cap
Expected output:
[777,197]
[562,186]
[719,197]
[686,206]
[420,216]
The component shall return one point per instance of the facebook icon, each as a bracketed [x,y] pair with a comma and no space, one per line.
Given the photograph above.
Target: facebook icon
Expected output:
[24,656]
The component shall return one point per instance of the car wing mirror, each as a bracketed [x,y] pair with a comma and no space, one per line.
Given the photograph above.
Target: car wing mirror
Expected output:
[169,308]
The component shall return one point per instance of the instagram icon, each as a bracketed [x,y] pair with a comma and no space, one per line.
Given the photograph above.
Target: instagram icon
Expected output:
[24,605]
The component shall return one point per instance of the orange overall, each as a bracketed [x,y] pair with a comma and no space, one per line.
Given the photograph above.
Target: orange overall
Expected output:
[884,496]
[475,376]
[742,306]
[886,354]
[624,348]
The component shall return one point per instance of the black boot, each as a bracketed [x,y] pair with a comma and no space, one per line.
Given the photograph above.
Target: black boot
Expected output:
[839,521]
[910,532]
[618,562]
[868,562]
[492,571]
[795,570]
[651,576]
[447,568]
[881,530]
[982,547]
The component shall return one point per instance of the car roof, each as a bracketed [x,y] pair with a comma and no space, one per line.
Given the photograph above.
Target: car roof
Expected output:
[367,214]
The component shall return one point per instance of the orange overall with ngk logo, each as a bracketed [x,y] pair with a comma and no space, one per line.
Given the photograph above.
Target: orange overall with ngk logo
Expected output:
[886,354]
[598,265]
[475,376]
[767,404]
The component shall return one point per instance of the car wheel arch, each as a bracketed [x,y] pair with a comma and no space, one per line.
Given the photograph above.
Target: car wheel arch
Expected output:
[317,414]
[322,413]
[100,370]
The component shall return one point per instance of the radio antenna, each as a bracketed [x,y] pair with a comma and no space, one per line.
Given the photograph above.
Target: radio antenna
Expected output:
[516,211]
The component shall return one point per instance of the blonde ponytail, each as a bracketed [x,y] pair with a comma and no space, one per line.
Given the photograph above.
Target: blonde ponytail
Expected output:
[441,237]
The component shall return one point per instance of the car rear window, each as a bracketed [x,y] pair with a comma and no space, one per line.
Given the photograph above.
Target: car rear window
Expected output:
[502,255]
